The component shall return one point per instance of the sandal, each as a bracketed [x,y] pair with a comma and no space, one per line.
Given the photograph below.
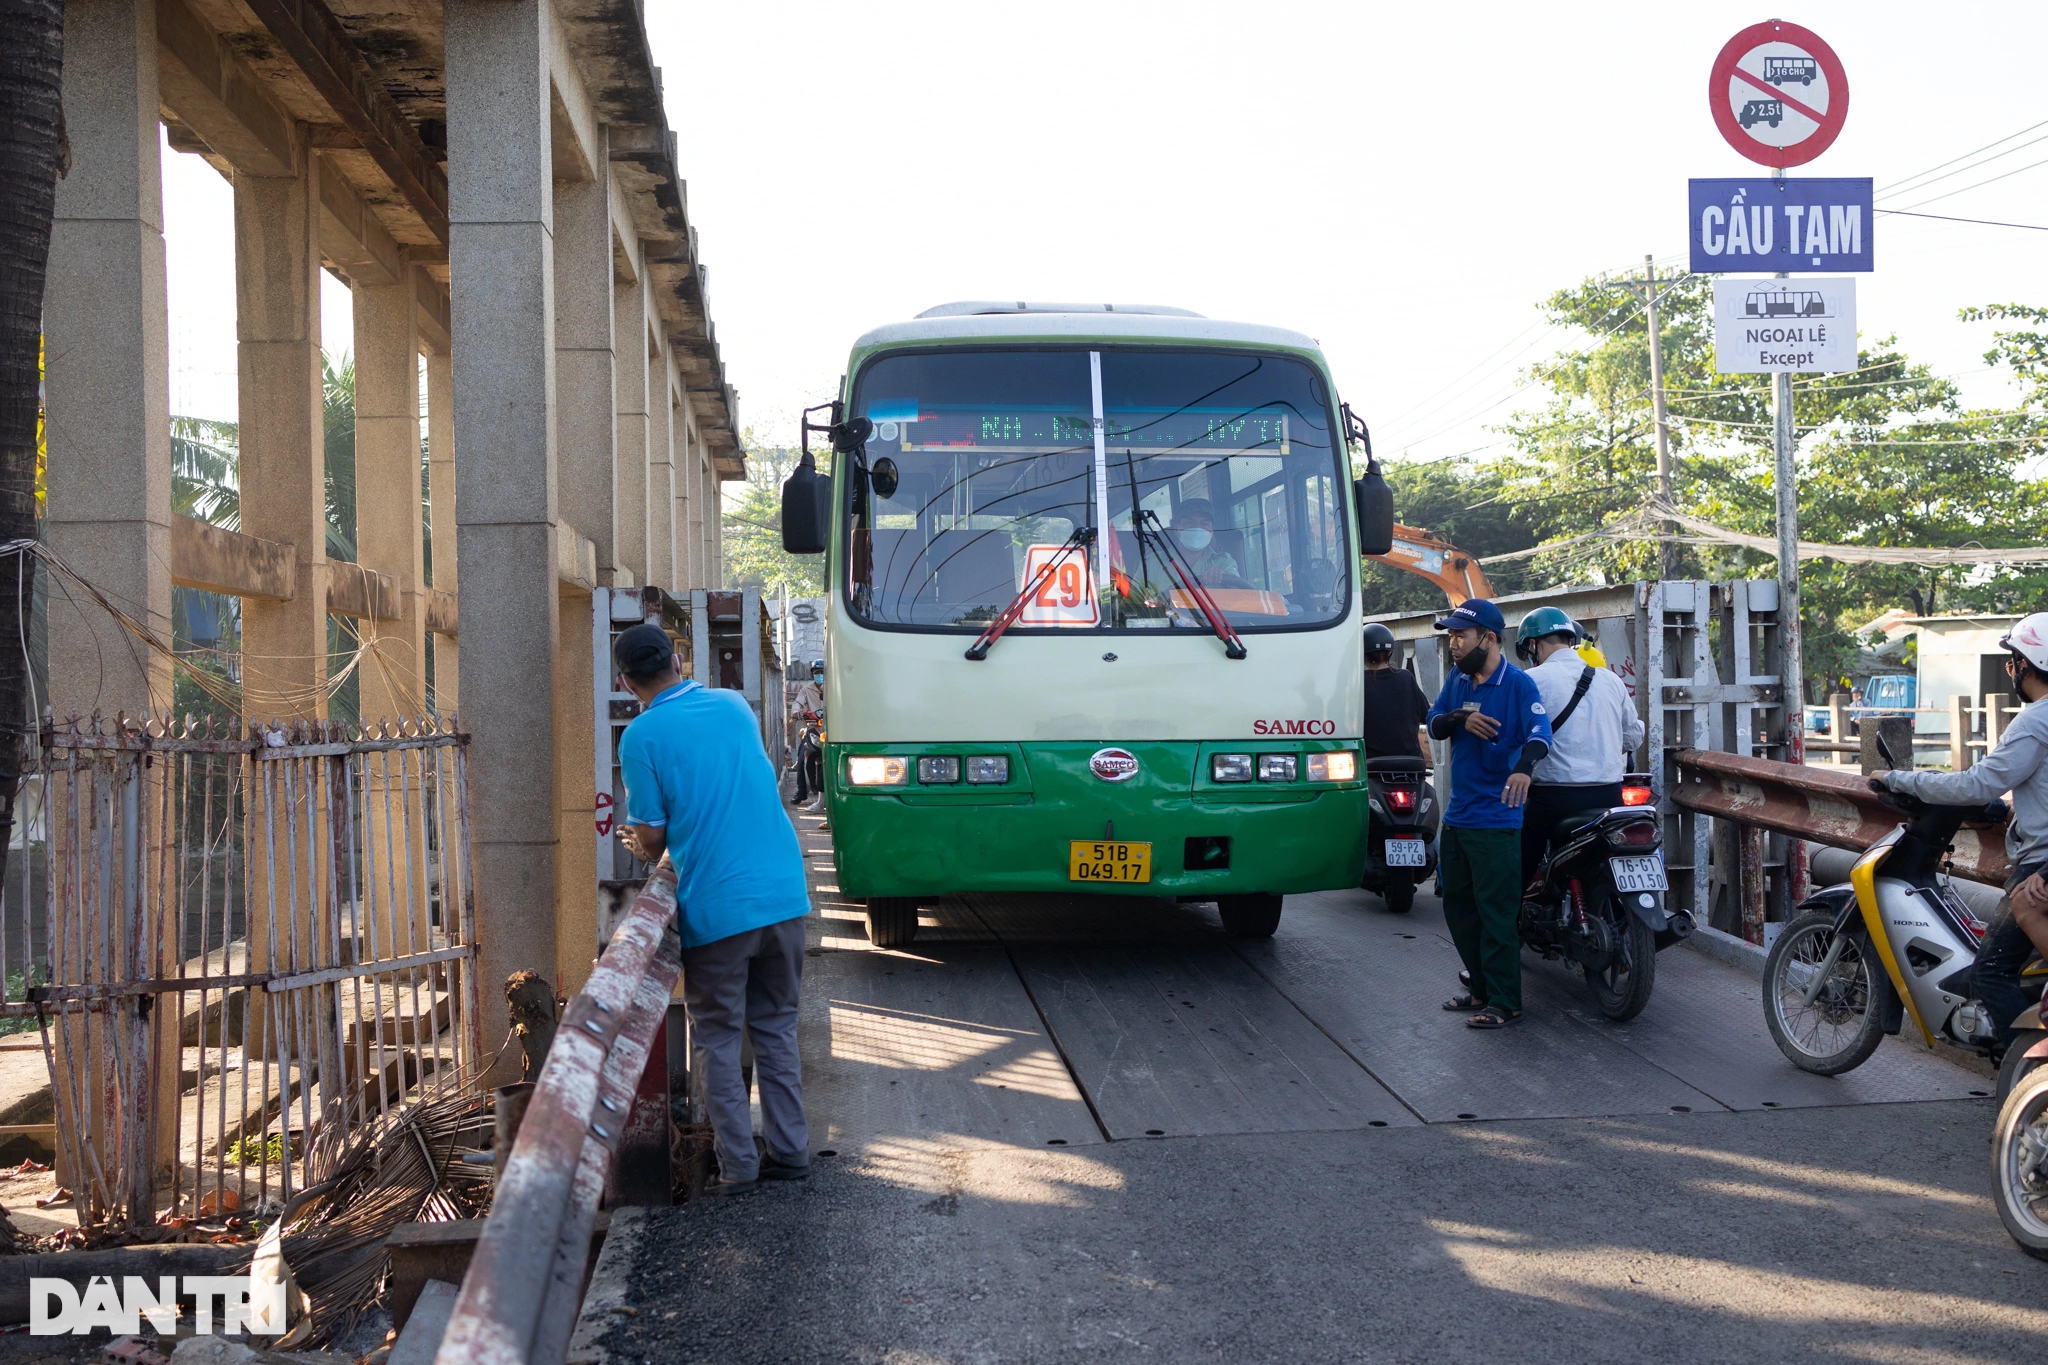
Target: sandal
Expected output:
[1464,1004]
[1493,1016]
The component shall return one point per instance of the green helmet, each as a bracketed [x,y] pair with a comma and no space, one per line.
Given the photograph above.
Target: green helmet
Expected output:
[1539,623]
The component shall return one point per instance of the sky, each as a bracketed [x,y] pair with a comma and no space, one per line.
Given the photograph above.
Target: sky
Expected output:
[1403,183]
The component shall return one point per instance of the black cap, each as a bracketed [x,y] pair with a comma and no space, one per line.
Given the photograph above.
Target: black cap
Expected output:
[642,652]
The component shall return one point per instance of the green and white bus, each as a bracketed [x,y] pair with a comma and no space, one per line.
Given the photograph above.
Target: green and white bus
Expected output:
[1094,617]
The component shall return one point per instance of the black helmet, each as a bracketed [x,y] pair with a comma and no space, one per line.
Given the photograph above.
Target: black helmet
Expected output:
[1378,639]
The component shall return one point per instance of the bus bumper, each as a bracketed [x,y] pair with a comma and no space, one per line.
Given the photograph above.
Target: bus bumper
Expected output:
[1282,839]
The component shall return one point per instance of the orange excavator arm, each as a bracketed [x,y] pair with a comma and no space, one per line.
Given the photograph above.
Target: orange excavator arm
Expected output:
[1441,562]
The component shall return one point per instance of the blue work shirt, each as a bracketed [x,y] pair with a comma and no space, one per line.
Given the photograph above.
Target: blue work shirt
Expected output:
[695,767]
[1480,768]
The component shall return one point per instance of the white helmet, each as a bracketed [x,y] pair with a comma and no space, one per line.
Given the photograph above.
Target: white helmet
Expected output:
[2029,639]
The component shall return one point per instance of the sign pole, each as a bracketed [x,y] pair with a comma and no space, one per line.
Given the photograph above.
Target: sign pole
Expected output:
[1791,666]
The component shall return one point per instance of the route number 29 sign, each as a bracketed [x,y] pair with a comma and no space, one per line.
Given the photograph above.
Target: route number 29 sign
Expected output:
[1067,598]
[1779,94]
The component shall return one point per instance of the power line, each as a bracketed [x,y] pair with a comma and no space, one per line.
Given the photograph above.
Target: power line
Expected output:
[1950,194]
[1899,186]
[1945,218]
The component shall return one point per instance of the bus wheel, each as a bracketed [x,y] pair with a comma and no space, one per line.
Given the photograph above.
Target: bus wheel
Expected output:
[1249,916]
[892,921]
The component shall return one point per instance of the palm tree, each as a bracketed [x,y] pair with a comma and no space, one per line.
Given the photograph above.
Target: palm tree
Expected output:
[33,153]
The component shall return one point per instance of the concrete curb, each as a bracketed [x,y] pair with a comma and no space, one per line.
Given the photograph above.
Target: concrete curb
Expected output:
[604,1301]
[1727,948]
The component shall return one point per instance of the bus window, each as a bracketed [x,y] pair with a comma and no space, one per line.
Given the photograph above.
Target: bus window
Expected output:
[1221,463]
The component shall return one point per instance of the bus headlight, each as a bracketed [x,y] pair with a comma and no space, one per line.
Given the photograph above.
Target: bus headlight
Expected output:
[938,771]
[1230,767]
[988,770]
[1341,766]
[1277,767]
[873,770]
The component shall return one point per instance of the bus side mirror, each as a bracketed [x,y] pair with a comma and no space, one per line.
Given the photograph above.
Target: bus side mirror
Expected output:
[1375,511]
[806,509]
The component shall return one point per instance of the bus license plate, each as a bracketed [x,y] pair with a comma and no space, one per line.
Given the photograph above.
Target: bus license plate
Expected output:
[1099,861]
[1638,874]
[1407,853]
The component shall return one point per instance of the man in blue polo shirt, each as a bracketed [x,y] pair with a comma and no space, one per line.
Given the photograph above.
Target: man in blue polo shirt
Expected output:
[699,785]
[1494,718]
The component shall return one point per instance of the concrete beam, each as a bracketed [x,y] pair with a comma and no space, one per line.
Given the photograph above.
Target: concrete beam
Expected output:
[353,240]
[211,92]
[321,49]
[575,560]
[353,590]
[430,311]
[440,612]
[218,560]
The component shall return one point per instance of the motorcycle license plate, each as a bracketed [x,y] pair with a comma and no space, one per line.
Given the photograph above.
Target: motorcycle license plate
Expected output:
[1091,860]
[1407,853]
[1638,874]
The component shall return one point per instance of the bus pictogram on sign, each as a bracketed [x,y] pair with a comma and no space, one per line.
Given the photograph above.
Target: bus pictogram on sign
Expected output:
[1778,93]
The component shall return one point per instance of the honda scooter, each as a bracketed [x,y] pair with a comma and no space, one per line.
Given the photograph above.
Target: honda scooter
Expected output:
[1401,851]
[1597,901]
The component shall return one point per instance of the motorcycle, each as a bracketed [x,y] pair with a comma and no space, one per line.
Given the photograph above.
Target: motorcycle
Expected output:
[1897,940]
[1402,848]
[1597,901]
[2019,1155]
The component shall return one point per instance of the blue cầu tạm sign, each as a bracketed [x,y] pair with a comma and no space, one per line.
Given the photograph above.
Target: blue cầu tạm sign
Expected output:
[1801,225]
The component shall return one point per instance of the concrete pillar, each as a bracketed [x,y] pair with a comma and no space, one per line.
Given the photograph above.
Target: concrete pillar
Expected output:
[283,464]
[584,385]
[107,394]
[107,386]
[661,492]
[388,496]
[502,303]
[441,480]
[689,497]
[630,370]
[576,945]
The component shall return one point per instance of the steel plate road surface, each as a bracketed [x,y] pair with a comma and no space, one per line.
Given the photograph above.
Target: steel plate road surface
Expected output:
[1073,1128]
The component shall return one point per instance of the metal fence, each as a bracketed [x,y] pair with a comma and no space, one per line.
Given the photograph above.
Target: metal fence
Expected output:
[518,1301]
[255,947]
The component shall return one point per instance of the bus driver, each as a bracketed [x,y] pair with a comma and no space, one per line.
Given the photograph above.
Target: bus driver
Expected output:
[1194,526]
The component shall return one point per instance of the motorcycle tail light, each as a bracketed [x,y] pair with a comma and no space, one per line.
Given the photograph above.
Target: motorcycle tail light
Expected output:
[1635,834]
[1400,798]
[1635,794]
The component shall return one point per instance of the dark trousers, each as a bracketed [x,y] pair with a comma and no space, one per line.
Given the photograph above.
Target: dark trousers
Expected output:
[748,983]
[1482,904]
[1550,802]
[1995,979]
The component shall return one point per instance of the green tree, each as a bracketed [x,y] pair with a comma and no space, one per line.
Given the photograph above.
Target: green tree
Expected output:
[753,527]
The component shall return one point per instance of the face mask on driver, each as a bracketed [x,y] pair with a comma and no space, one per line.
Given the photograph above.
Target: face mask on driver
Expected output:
[1473,662]
[1197,537]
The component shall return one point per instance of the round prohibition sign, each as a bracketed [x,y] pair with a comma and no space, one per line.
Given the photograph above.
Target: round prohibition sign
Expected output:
[1778,93]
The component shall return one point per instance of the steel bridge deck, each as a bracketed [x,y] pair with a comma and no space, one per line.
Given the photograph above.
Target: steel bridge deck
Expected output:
[1071,1020]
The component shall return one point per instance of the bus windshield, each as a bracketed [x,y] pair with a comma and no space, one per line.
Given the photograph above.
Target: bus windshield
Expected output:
[983,465]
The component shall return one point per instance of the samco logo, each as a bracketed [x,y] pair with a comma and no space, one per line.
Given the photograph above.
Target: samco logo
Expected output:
[1113,765]
[1294,727]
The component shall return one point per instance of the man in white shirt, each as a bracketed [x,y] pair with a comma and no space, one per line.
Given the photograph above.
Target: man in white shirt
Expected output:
[1594,729]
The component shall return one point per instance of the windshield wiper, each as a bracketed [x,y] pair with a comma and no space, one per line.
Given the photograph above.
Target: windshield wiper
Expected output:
[1233,647]
[1082,537]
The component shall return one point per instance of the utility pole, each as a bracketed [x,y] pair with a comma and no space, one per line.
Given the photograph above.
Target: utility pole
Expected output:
[1667,546]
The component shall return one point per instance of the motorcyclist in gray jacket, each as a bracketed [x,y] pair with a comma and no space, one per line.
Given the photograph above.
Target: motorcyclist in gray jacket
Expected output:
[2018,765]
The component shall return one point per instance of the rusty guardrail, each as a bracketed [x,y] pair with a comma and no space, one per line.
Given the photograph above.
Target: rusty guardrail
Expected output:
[519,1301]
[1825,805]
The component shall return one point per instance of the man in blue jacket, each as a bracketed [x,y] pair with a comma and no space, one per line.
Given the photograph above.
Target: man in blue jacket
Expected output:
[699,785]
[1494,718]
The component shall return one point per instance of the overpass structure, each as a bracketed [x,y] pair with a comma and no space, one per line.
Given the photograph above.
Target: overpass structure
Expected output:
[497,184]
